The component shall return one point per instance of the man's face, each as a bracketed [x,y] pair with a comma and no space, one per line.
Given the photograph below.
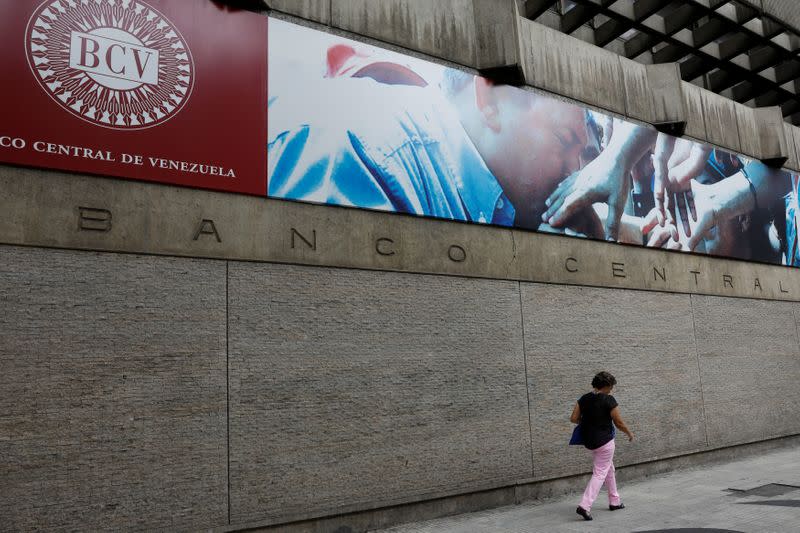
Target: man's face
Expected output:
[538,143]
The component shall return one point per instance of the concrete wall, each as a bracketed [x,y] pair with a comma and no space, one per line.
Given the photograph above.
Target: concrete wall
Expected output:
[491,36]
[587,74]
[481,34]
[132,381]
[316,10]
[654,359]
[40,208]
[182,383]
[794,138]
[352,389]
[113,391]
[748,355]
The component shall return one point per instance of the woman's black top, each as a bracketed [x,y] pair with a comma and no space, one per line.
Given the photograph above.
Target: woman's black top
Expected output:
[596,425]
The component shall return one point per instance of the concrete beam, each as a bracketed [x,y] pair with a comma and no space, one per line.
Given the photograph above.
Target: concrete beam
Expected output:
[316,10]
[654,94]
[784,11]
[721,124]
[747,126]
[773,150]
[790,131]
[480,34]
[638,103]
[667,101]
[443,29]
[50,209]
[695,118]
[564,65]
[796,139]
[533,9]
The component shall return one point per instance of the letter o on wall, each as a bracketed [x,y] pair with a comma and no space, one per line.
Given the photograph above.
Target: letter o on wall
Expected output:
[457,254]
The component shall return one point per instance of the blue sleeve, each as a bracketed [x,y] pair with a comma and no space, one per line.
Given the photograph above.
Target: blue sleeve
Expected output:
[360,145]
[302,167]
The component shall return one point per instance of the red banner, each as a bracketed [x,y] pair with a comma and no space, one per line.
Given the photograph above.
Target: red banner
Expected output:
[155,90]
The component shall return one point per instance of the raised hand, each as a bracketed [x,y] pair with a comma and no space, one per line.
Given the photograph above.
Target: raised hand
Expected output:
[606,179]
[676,163]
[660,235]
[665,145]
[712,204]
[686,164]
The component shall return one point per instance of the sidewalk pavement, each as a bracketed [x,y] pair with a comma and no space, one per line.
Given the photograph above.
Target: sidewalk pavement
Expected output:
[754,495]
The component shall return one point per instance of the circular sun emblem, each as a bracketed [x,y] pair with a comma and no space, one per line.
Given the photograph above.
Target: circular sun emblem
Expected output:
[114,63]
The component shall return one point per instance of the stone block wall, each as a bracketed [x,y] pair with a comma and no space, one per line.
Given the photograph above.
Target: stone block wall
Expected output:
[645,339]
[748,356]
[351,389]
[146,392]
[131,382]
[113,403]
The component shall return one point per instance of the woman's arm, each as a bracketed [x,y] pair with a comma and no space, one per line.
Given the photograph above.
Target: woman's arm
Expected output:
[615,416]
[575,417]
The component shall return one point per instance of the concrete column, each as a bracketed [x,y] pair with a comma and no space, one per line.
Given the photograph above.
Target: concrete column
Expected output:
[637,90]
[695,117]
[669,110]
[789,135]
[774,149]
[40,208]
[497,25]
[721,121]
[568,66]
[748,127]
[654,94]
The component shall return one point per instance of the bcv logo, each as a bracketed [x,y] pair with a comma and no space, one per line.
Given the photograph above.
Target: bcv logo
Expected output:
[114,63]
[108,55]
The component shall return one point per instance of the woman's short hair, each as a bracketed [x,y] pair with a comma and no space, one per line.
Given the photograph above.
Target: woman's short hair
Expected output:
[603,379]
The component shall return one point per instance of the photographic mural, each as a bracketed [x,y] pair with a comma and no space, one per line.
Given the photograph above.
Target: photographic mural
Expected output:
[356,125]
[142,90]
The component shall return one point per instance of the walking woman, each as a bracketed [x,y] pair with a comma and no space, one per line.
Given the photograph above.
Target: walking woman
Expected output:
[595,412]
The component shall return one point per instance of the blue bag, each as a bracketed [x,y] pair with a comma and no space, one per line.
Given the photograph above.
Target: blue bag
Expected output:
[577,437]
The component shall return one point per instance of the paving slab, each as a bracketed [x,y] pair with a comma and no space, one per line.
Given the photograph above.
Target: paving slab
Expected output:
[754,495]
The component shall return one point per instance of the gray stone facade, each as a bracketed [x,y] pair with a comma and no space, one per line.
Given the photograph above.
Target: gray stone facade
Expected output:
[113,392]
[342,380]
[646,340]
[131,381]
[157,378]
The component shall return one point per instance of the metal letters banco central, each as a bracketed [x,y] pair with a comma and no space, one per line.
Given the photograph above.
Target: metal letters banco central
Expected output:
[68,211]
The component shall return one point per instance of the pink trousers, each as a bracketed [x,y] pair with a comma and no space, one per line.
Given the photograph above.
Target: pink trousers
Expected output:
[603,472]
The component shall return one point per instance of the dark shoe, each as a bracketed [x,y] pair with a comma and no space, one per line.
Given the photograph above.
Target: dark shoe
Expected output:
[584,513]
[616,507]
